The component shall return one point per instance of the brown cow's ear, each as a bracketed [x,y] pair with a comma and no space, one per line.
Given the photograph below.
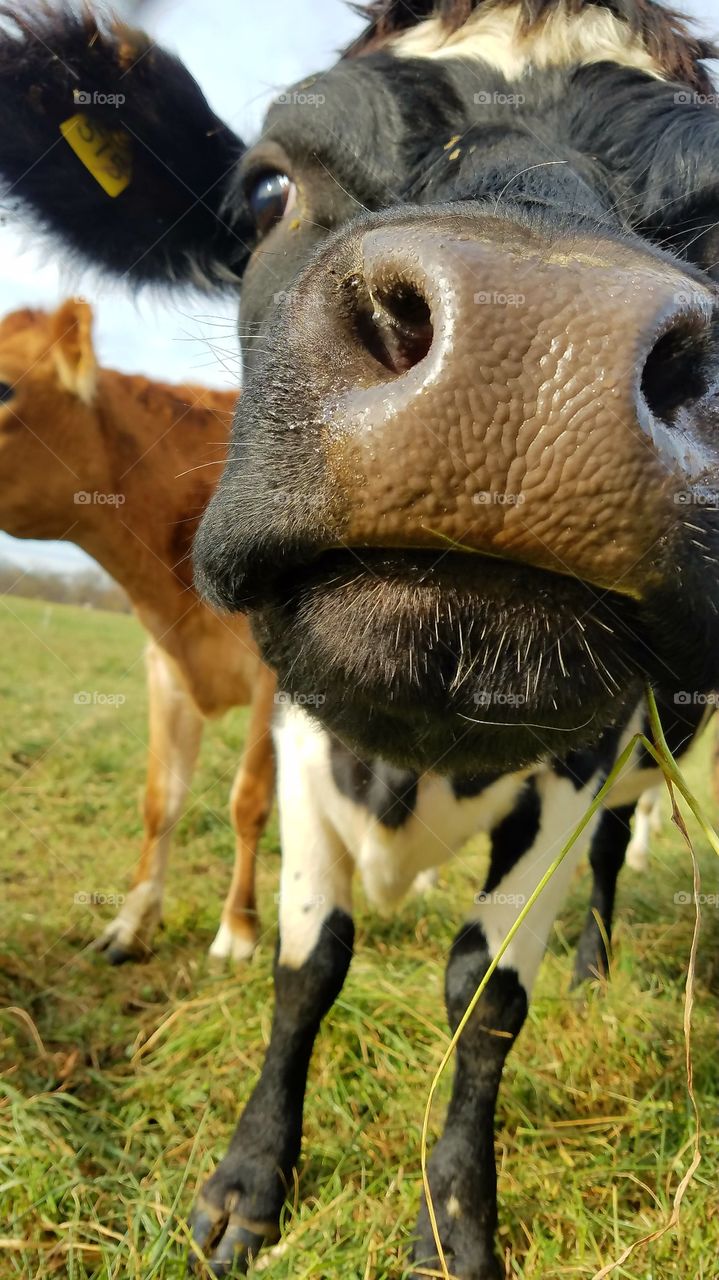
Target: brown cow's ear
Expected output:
[72,348]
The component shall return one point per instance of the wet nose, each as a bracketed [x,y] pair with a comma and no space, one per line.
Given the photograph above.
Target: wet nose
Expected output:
[484,388]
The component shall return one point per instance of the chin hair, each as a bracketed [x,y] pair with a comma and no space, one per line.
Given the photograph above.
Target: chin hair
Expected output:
[436,668]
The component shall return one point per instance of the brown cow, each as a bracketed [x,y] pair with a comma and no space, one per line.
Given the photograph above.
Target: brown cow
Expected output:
[124,467]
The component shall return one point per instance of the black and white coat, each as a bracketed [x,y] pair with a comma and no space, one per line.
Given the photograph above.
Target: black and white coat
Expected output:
[343,817]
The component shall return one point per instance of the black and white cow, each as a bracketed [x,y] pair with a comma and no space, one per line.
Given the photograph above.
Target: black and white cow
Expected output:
[480,265]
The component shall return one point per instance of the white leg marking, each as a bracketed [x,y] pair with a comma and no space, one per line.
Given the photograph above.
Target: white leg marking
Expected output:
[562,806]
[317,870]
[228,945]
[425,882]
[647,821]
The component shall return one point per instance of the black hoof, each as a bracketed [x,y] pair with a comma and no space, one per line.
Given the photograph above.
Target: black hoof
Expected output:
[589,966]
[117,954]
[229,1241]
[487,1269]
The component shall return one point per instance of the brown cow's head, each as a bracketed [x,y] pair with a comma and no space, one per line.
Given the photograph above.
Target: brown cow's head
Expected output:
[471,499]
[51,448]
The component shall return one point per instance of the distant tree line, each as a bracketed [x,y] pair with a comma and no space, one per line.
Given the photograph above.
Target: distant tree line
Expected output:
[87,587]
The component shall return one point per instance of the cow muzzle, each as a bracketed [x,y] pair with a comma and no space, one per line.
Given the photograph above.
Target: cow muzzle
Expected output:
[463,407]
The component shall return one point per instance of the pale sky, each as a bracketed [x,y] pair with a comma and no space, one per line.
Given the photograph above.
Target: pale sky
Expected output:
[242,52]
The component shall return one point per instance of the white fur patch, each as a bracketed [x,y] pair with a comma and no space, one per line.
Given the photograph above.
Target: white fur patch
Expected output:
[231,946]
[562,806]
[647,822]
[562,40]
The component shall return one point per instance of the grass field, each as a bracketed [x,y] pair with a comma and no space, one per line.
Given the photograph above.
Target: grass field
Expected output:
[119,1088]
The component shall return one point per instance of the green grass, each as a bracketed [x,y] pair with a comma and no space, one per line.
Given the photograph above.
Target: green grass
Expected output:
[118,1089]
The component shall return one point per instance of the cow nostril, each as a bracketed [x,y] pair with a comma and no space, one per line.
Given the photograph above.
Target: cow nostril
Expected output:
[392,322]
[678,368]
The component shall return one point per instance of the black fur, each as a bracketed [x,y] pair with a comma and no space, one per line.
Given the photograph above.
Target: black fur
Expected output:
[606,858]
[243,1199]
[514,835]
[388,793]
[473,784]
[462,1165]
[170,224]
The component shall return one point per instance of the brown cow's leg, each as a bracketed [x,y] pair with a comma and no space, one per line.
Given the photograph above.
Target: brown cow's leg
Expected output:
[250,805]
[175,735]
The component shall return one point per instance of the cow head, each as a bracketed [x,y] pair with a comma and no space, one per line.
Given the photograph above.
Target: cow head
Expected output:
[471,501]
[52,450]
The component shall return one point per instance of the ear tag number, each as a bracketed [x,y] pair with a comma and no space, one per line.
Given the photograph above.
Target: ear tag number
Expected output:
[105,153]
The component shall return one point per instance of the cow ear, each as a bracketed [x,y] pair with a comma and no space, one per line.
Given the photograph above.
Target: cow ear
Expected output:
[72,348]
[109,141]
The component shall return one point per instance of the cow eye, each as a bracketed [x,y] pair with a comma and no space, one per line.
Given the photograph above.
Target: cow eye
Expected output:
[270,197]
[7,391]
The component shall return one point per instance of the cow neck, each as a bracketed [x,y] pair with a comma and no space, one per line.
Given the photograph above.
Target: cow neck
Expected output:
[142,534]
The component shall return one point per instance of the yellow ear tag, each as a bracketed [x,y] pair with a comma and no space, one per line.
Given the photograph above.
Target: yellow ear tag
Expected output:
[105,153]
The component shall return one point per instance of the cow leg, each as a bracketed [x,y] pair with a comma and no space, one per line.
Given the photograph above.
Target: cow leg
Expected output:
[238,1209]
[175,735]
[462,1172]
[647,823]
[250,804]
[606,858]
